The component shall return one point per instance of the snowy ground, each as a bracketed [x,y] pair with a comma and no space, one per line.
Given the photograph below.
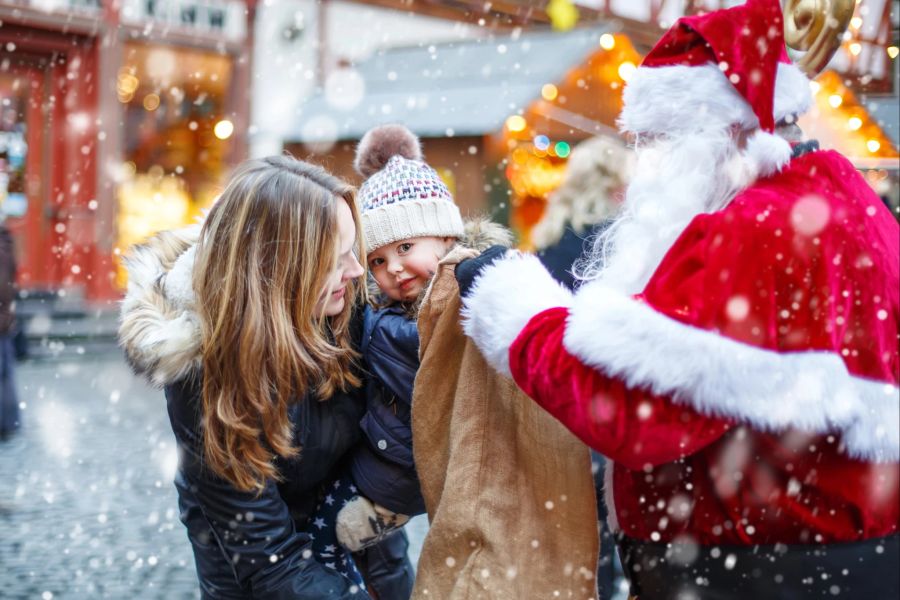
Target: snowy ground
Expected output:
[87,507]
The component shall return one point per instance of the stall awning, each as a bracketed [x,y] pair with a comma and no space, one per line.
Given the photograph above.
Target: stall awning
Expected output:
[460,88]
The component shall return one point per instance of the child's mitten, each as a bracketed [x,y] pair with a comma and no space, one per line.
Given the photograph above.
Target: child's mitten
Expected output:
[362,523]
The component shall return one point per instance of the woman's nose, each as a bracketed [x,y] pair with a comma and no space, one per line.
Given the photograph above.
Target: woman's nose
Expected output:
[354,270]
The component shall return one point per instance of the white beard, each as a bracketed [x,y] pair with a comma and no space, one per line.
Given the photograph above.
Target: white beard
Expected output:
[675,180]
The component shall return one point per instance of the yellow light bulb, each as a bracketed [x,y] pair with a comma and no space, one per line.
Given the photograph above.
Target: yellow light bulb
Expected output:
[873,146]
[223,129]
[854,123]
[549,92]
[151,102]
[893,51]
[835,100]
[516,123]
[855,48]
[607,41]
[626,70]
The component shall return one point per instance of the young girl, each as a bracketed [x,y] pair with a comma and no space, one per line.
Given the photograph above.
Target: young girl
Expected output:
[410,222]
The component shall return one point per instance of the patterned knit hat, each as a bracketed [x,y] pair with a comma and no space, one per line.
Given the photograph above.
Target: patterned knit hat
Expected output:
[402,197]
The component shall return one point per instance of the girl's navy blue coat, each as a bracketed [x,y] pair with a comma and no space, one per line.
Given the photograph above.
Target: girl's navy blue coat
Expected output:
[383,467]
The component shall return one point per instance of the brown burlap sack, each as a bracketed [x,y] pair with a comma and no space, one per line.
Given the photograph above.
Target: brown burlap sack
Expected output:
[508,490]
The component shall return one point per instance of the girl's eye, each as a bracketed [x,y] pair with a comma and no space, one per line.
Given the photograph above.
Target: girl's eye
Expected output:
[405,247]
[375,262]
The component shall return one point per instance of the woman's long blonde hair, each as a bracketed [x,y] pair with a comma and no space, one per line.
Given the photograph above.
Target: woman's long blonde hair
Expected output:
[265,254]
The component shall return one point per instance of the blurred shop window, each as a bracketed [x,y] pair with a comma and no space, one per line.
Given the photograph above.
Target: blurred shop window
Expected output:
[177,136]
[13,150]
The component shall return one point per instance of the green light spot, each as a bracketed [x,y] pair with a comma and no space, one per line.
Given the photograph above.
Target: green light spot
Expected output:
[562,149]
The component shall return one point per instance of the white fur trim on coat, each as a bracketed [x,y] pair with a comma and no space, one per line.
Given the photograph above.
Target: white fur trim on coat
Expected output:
[178,283]
[793,96]
[811,391]
[504,297]
[681,99]
[158,327]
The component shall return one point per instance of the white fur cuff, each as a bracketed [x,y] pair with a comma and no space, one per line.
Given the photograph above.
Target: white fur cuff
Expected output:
[504,297]
[810,391]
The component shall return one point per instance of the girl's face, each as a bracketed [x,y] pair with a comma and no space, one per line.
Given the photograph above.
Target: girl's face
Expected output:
[402,269]
[332,300]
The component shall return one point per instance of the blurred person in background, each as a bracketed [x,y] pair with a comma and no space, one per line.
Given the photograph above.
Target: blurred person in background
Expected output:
[250,326]
[583,205]
[9,403]
[579,210]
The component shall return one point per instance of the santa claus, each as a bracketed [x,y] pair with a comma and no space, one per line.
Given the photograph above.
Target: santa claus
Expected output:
[734,345]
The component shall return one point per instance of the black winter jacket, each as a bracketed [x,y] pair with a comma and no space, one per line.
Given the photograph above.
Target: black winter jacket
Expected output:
[383,467]
[249,546]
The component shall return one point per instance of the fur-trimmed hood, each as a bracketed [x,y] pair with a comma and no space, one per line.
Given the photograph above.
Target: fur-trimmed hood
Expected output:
[482,233]
[158,326]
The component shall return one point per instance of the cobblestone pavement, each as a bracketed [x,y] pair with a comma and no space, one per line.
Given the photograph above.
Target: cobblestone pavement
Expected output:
[87,507]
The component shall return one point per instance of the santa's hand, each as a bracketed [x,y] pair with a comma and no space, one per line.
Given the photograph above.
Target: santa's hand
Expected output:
[362,523]
[469,269]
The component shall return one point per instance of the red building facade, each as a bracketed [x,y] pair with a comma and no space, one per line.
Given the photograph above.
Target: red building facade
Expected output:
[114,117]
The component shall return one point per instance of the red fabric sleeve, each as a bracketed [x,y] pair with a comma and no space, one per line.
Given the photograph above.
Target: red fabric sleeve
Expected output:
[630,426]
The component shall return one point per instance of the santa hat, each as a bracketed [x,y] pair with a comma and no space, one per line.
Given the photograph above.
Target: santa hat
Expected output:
[726,67]
[402,197]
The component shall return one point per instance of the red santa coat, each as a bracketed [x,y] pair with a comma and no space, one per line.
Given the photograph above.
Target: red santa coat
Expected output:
[749,394]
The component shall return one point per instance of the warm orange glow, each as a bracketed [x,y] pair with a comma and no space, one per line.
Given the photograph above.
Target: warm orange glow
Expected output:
[532,174]
[607,41]
[841,116]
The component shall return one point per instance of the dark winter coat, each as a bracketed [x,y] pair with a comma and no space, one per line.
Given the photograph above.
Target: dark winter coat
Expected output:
[383,467]
[222,521]
[7,280]
[245,545]
[559,258]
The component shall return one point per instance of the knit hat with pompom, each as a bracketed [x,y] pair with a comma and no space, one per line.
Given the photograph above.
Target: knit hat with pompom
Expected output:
[402,197]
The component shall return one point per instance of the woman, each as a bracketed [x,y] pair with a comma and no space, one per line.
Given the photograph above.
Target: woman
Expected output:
[247,323]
